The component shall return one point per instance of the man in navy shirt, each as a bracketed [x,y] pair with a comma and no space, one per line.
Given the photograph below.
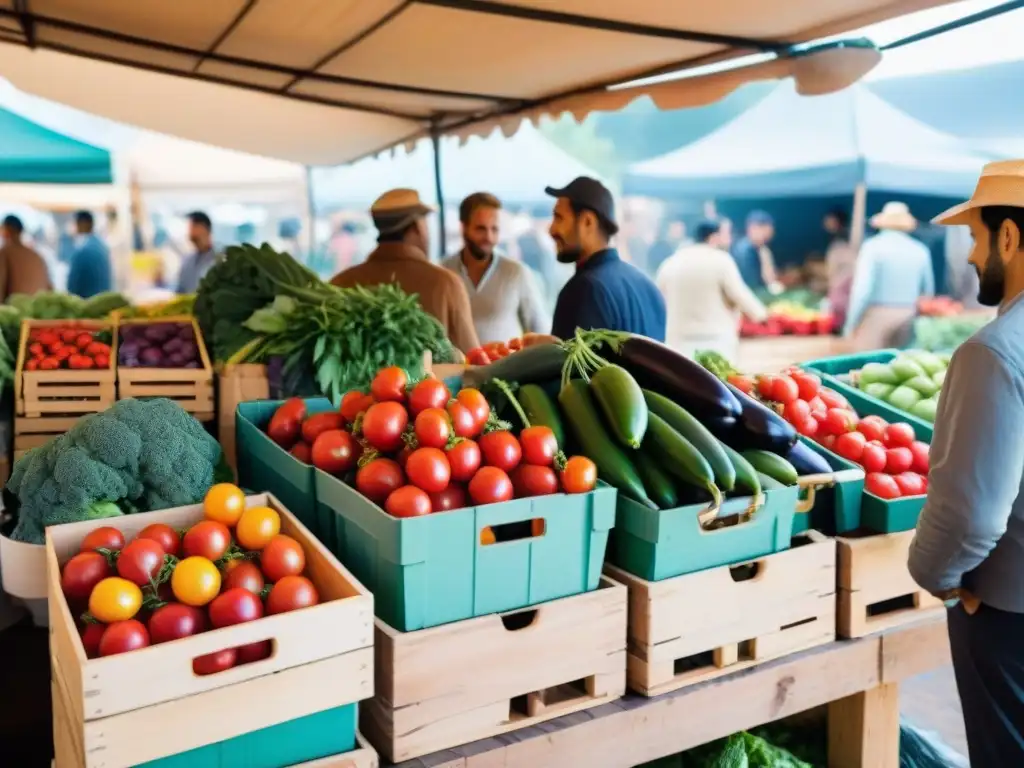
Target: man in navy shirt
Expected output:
[752,255]
[90,271]
[605,292]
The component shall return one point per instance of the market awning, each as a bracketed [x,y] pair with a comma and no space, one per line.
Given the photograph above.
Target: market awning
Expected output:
[33,154]
[325,81]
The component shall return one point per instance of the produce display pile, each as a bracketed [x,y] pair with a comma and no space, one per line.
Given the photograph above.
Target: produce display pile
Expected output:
[495,350]
[912,382]
[232,567]
[75,348]
[158,345]
[789,318]
[944,334]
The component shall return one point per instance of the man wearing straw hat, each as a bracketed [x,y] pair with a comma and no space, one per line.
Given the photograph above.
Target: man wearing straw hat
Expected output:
[892,272]
[970,534]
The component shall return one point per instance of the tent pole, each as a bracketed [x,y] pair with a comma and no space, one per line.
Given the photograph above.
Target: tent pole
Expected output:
[435,141]
[859,215]
[310,215]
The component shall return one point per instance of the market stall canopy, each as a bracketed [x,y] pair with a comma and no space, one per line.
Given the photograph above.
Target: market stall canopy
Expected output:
[33,154]
[791,146]
[324,81]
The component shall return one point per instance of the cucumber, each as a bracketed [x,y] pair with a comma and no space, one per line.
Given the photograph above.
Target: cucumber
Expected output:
[659,485]
[539,363]
[769,483]
[613,465]
[678,456]
[686,425]
[541,410]
[746,475]
[772,465]
[622,402]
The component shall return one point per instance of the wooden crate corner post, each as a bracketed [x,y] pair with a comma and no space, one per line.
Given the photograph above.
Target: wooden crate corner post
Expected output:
[237,383]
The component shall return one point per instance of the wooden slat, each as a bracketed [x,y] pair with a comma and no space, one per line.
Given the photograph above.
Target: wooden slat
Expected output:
[864,729]
[363,756]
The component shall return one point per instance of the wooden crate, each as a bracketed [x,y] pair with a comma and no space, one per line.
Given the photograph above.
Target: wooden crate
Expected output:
[449,685]
[771,354]
[875,590]
[237,384]
[363,756]
[191,388]
[64,392]
[324,652]
[31,432]
[699,626]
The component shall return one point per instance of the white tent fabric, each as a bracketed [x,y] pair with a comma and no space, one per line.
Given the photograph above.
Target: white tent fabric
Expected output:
[787,145]
[328,81]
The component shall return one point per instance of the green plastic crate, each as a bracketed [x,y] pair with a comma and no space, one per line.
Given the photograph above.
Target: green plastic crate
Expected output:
[302,740]
[836,509]
[264,466]
[661,544]
[432,570]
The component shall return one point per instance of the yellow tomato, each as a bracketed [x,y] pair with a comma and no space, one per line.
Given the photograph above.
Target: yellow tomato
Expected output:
[195,581]
[115,599]
[257,526]
[224,503]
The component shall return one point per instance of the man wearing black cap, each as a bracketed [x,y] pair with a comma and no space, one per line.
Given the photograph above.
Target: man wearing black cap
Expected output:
[605,292]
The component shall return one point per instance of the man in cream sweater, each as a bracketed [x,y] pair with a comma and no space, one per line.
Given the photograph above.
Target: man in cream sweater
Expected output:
[705,294]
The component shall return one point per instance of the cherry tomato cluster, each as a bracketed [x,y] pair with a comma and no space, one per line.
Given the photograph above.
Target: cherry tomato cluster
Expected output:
[232,567]
[895,461]
[496,350]
[53,348]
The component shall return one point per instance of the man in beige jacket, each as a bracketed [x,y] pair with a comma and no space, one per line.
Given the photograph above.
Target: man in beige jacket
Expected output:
[22,270]
[705,294]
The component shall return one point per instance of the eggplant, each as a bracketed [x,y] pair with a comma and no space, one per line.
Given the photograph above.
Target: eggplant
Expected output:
[758,428]
[807,460]
[684,381]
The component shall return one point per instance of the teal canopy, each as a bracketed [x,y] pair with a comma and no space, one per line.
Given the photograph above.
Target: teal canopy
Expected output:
[32,154]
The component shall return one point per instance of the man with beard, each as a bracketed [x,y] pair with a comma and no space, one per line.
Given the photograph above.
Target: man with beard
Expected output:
[504,295]
[200,234]
[970,535]
[605,292]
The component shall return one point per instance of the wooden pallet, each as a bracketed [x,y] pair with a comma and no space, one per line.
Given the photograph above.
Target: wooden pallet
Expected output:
[448,685]
[64,392]
[191,388]
[699,626]
[31,432]
[876,591]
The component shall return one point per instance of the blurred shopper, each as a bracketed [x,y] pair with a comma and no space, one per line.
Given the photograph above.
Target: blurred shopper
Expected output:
[673,236]
[90,271]
[961,277]
[401,257]
[605,292]
[753,256]
[196,265]
[22,270]
[893,271]
[504,295]
[706,295]
[840,258]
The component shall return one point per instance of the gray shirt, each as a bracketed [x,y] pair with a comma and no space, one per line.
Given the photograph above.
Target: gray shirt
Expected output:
[971,530]
[507,303]
[194,268]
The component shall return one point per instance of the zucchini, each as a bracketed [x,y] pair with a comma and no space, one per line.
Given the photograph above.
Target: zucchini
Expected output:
[658,484]
[678,456]
[686,425]
[746,475]
[539,363]
[613,465]
[771,464]
[622,402]
[769,483]
[541,410]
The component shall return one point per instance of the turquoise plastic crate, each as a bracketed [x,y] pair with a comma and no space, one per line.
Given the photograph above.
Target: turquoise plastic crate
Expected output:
[302,740]
[433,570]
[661,544]
[836,509]
[265,467]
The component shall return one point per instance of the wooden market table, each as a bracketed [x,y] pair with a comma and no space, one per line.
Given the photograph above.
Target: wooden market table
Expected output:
[770,354]
[858,681]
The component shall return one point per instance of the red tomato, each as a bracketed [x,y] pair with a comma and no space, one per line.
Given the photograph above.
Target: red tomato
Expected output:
[319,423]
[872,427]
[383,424]
[463,422]
[490,485]
[302,452]
[898,435]
[496,349]
[744,384]
[402,457]
[874,458]
[807,384]
[784,390]
[478,356]
[514,345]
[247,654]
[920,463]
[140,561]
[245,575]
[452,497]
[828,441]
[335,451]
[501,449]
[474,400]
[283,556]
[839,420]
[83,572]
[353,403]
[408,501]
[433,428]
[235,606]
[174,621]
[817,406]
[103,538]
[377,479]
[208,539]
[122,637]
[539,446]
[796,412]
[212,663]
[898,460]
[833,399]
[286,423]
[881,485]
[850,445]
[429,393]
[389,385]
[91,634]
[428,468]
[808,427]
[464,459]
[910,484]
[168,538]
[290,594]
[579,475]
[533,480]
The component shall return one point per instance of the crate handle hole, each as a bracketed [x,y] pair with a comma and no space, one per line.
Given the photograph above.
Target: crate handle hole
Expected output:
[245,655]
[902,603]
[745,572]
[514,622]
[506,532]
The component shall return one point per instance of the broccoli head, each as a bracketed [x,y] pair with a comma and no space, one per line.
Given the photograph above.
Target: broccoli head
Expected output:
[139,455]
